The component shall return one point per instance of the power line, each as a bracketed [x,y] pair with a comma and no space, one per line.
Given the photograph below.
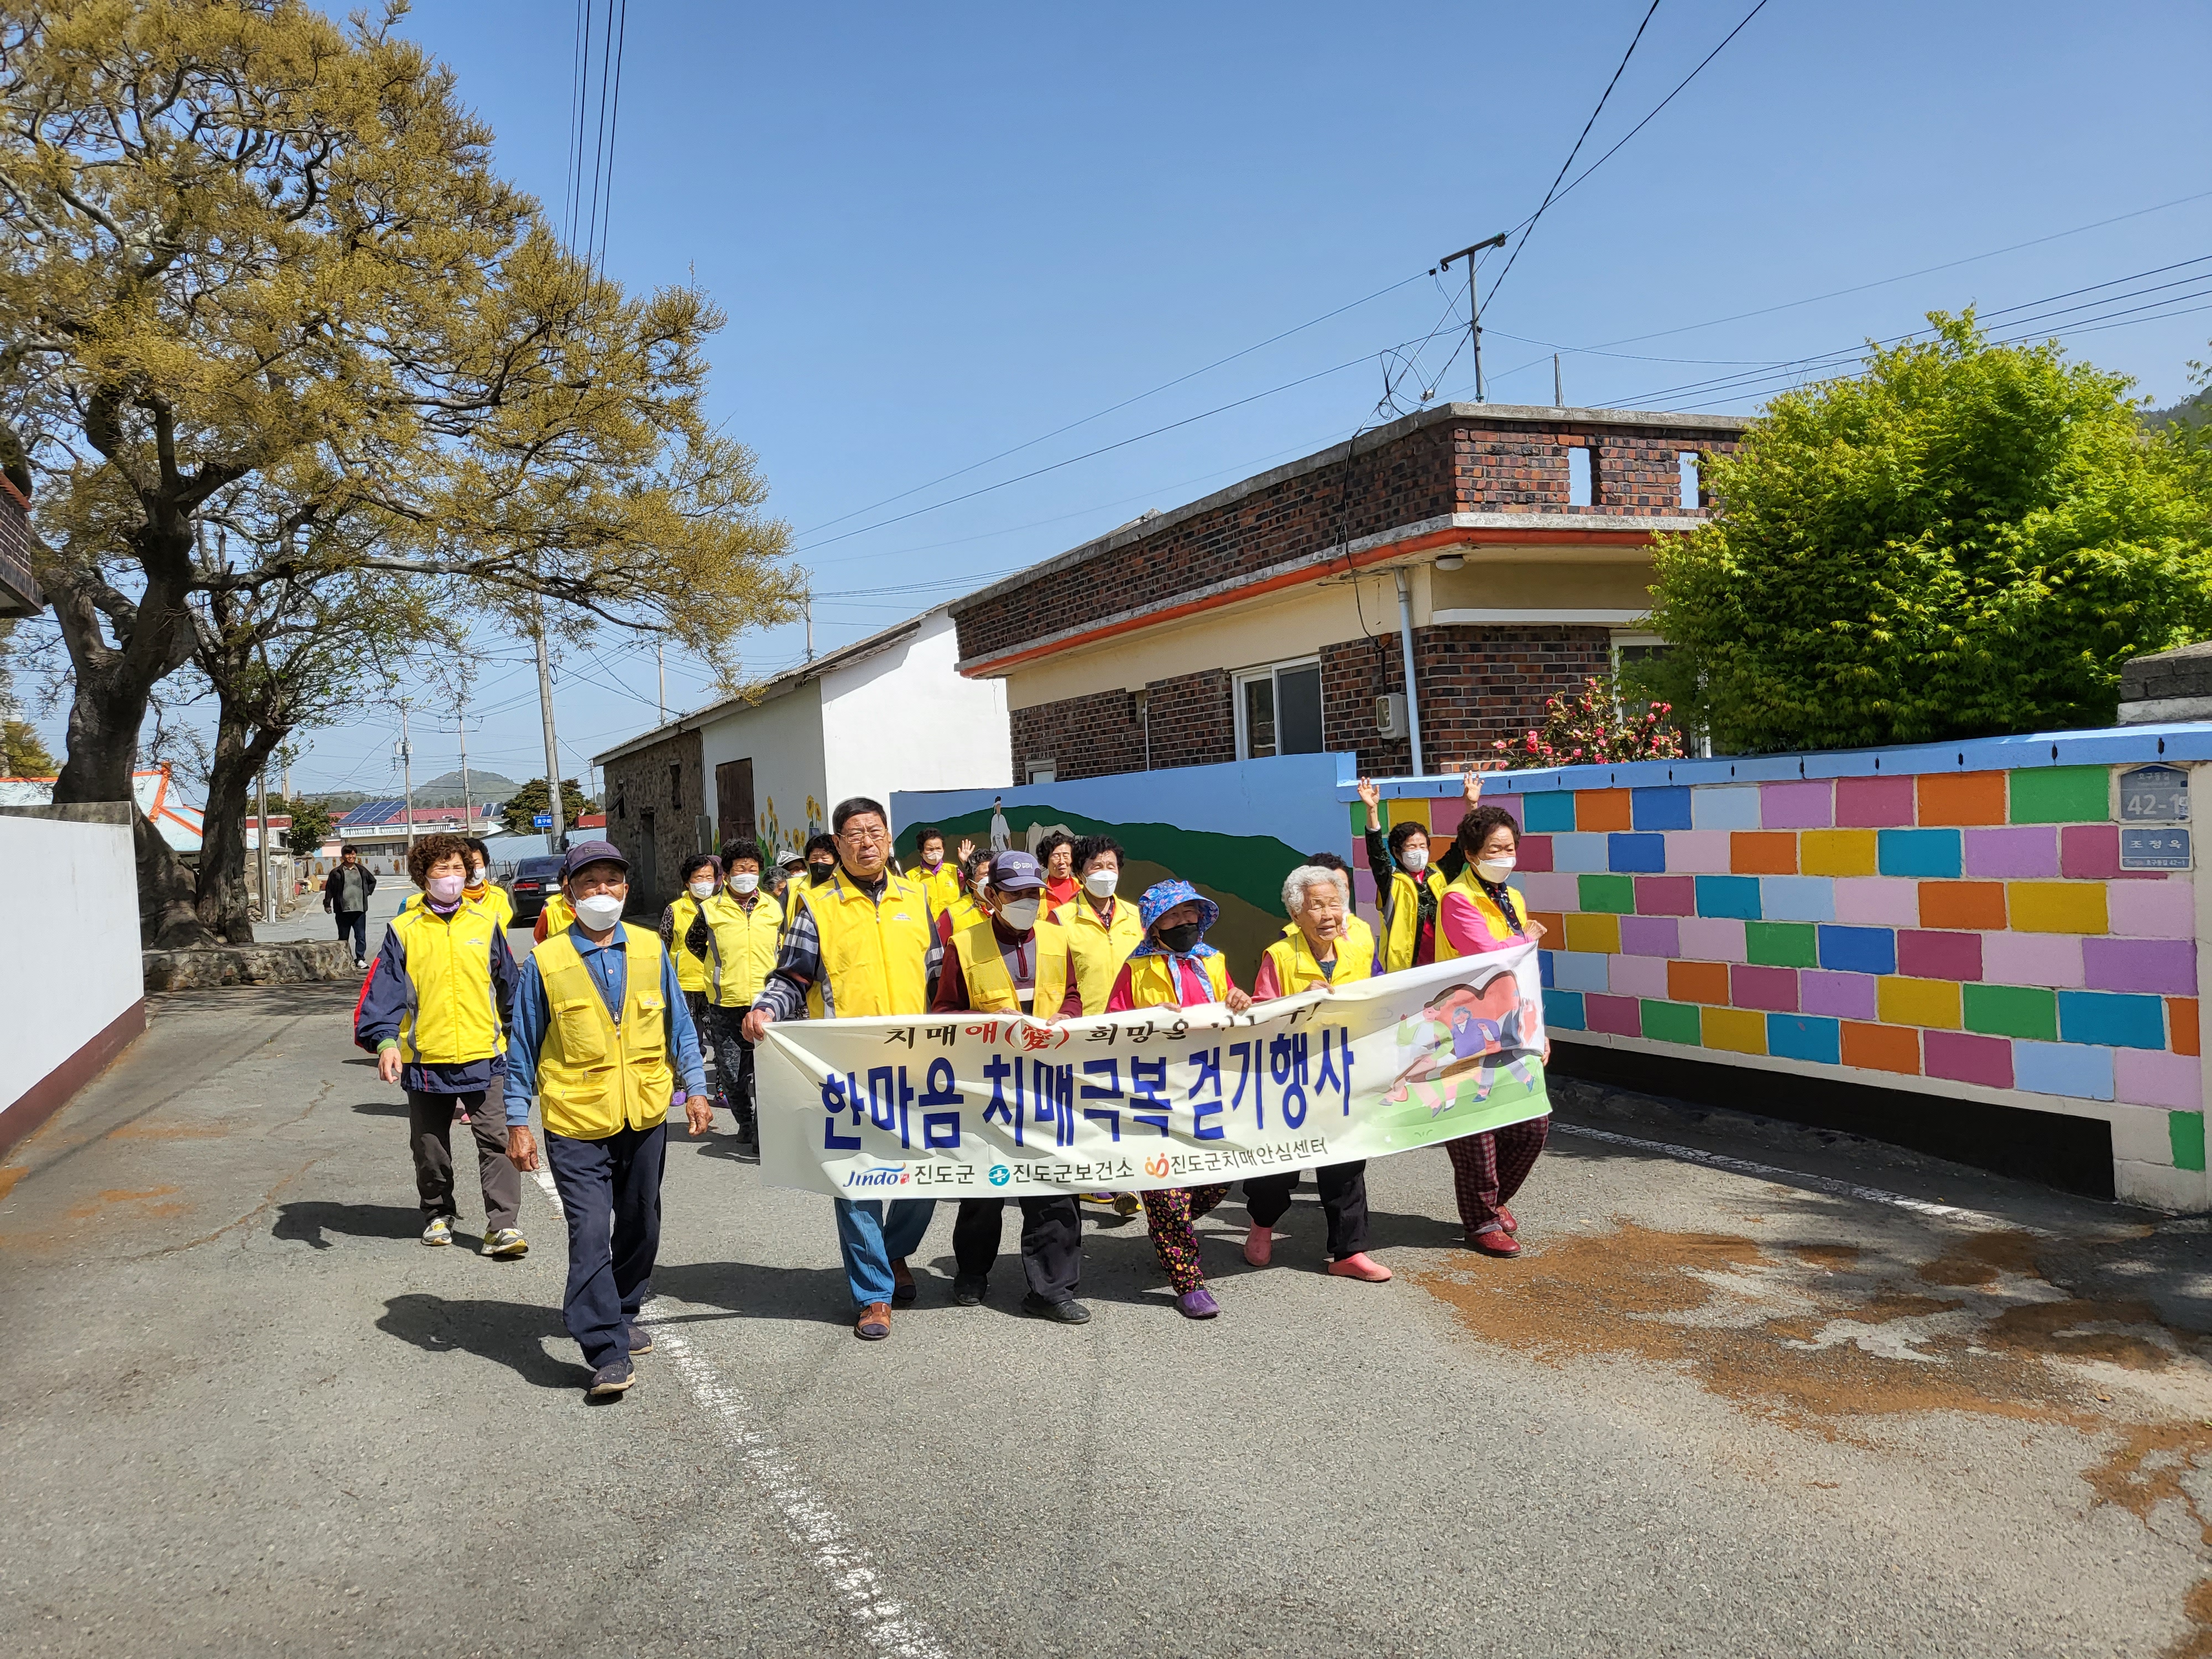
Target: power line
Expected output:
[1529,229]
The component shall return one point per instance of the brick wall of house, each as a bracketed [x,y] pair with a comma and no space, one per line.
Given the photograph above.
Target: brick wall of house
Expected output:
[663,786]
[1083,736]
[1427,470]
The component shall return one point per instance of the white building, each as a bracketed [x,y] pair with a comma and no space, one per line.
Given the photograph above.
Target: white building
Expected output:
[890,712]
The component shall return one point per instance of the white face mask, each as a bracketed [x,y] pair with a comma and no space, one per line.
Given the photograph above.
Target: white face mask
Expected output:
[1020,914]
[1415,859]
[743,882]
[702,889]
[445,889]
[476,877]
[1102,882]
[600,912]
[1494,870]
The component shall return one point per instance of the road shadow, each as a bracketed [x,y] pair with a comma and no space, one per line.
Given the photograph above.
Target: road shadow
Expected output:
[308,1220]
[723,1144]
[382,1108]
[811,1296]
[368,1061]
[509,1334]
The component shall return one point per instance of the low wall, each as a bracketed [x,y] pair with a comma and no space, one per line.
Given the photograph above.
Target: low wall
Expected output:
[70,987]
[1954,922]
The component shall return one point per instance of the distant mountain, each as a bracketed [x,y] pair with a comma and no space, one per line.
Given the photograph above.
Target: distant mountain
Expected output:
[446,791]
[2190,411]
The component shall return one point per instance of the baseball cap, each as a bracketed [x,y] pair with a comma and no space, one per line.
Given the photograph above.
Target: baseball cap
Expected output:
[591,851]
[1016,872]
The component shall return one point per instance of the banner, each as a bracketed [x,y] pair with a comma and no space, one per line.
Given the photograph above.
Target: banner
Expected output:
[978,1106]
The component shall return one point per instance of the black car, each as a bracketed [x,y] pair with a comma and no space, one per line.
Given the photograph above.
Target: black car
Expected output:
[534,879]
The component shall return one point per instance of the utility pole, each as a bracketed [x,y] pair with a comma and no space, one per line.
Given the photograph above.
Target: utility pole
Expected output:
[660,662]
[1559,400]
[461,731]
[556,837]
[809,621]
[1473,301]
[268,900]
[407,774]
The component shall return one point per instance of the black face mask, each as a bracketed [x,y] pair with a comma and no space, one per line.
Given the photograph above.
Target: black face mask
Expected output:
[1179,938]
[818,873]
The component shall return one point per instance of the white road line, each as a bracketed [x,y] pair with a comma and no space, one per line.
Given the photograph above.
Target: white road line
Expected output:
[827,1543]
[1825,1183]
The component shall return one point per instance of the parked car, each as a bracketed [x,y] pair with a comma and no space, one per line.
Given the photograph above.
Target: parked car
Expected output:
[534,879]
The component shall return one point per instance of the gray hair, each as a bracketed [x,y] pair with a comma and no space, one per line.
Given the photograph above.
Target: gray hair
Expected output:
[1295,884]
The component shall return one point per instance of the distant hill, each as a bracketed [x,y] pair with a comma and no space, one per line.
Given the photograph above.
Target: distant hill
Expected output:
[2190,411]
[437,792]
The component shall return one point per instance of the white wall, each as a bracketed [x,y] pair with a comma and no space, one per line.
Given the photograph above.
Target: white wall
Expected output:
[76,969]
[906,719]
[783,738]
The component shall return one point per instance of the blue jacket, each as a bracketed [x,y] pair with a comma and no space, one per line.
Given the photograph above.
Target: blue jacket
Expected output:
[384,998]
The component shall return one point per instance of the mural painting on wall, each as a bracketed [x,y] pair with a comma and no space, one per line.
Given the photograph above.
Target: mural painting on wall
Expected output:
[769,828]
[1239,830]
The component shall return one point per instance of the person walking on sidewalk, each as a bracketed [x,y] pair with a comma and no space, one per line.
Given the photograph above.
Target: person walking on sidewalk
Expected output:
[862,942]
[603,1039]
[433,1012]
[345,895]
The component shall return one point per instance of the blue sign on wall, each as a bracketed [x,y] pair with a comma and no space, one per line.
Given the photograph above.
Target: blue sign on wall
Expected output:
[543,820]
[2153,849]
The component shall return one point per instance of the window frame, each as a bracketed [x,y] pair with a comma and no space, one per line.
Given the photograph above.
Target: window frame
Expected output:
[1269,671]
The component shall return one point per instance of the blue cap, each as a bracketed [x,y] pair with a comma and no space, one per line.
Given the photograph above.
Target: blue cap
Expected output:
[593,852]
[1015,872]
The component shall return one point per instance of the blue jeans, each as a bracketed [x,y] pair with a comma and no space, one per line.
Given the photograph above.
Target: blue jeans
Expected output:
[610,1191]
[354,924]
[871,1241]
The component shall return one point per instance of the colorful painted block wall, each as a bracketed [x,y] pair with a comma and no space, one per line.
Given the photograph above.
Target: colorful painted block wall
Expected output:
[1967,930]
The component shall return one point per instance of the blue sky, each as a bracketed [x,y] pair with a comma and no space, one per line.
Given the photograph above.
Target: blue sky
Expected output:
[941,232]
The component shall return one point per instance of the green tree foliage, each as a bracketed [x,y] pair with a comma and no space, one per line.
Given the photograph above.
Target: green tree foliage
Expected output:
[311,823]
[1965,539]
[1589,725]
[22,755]
[532,798]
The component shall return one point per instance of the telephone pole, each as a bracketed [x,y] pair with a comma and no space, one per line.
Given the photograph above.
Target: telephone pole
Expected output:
[461,731]
[660,662]
[407,774]
[1473,301]
[556,837]
[809,621]
[268,901]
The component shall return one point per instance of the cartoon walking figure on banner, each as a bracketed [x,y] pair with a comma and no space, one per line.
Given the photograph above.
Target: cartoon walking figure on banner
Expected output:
[1461,1032]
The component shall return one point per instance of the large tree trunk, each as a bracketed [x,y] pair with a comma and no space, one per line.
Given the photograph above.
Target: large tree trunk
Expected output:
[239,758]
[167,919]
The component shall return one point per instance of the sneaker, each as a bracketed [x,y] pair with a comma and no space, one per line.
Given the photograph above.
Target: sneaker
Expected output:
[640,1340]
[361,963]
[440,1231]
[1259,1244]
[507,1241]
[1105,1200]
[1360,1265]
[968,1290]
[613,1378]
[1197,1305]
[1070,1312]
[905,1291]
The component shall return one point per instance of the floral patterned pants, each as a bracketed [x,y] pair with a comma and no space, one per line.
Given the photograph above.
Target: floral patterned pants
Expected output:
[1170,1212]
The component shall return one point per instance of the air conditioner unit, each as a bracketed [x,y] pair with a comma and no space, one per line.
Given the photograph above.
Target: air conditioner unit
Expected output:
[1390,715]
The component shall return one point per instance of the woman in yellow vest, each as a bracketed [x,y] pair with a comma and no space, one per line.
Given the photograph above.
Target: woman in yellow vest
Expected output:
[602,1038]
[1077,966]
[992,970]
[863,942]
[738,933]
[939,877]
[700,875]
[1174,966]
[555,918]
[1317,949]
[1482,912]
[479,888]
[1407,887]
[433,1012]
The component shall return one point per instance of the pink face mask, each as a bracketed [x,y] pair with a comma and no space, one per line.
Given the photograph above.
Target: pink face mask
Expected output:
[445,889]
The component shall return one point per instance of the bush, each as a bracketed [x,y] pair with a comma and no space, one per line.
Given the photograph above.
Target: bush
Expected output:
[1965,539]
[1588,725]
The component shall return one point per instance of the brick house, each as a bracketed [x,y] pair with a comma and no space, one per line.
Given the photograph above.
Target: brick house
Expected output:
[1506,548]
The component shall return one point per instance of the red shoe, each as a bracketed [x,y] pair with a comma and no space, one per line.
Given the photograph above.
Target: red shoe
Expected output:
[1506,1216]
[1259,1245]
[1494,1240]
[1360,1265]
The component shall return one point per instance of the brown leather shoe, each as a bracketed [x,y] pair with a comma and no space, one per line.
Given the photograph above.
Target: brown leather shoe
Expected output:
[904,1291]
[874,1323]
[1495,1242]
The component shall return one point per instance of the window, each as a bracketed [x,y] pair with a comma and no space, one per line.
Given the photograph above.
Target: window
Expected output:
[676,783]
[1581,477]
[1279,710]
[1687,461]
[1044,771]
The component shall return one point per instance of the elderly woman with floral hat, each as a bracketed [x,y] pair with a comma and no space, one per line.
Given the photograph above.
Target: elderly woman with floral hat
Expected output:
[1174,966]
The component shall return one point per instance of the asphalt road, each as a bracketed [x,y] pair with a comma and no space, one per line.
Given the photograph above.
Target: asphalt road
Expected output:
[1714,1411]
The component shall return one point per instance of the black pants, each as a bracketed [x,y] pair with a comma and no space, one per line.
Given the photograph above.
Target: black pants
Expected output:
[1343,1202]
[1052,1241]
[734,1086]
[355,922]
[429,1132]
[610,1190]
[703,1022]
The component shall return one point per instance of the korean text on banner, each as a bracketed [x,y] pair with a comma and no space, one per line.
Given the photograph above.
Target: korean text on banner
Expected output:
[994,1105]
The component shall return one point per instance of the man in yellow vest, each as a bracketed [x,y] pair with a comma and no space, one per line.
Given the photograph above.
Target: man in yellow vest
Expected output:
[862,942]
[602,1038]
[1317,948]
[736,934]
[992,970]
[432,1011]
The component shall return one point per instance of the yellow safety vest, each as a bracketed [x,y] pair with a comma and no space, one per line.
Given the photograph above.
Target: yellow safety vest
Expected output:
[691,970]
[451,1015]
[991,988]
[597,1076]
[1493,918]
[874,955]
[1153,985]
[1406,917]
[559,914]
[1092,949]
[1297,968]
[491,895]
[942,884]
[741,947]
